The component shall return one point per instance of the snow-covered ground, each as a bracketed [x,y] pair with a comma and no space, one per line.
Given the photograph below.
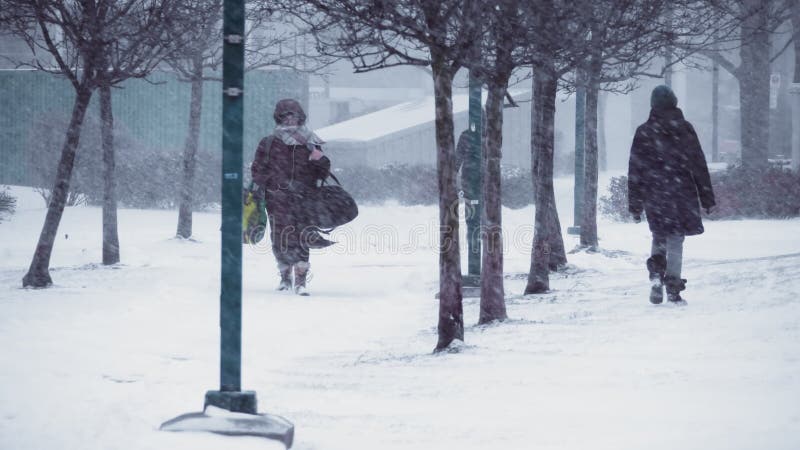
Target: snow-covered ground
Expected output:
[105,356]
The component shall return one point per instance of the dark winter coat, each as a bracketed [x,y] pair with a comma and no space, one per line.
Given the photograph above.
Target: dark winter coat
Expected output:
[287,178]
[667,173]
[278,166]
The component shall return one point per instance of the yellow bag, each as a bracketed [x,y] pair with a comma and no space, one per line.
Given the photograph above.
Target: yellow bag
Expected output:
[254,221]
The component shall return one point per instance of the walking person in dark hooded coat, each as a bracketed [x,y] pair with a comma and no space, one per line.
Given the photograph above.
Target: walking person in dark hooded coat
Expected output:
[667,175]
[288,166]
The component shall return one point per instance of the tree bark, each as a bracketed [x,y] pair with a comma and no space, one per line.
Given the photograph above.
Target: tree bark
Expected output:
[493,305]
[545,87]
[795,95]
[190,151]
[796,31]
[753,75]
[558,253]
[451,316]
[110,234]
[589,222]
[602,150]
[39,274]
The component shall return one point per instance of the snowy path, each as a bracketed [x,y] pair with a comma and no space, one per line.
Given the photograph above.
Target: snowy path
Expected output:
[101,359]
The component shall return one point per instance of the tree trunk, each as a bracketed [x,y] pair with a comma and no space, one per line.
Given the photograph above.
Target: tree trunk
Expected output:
[589,223]
[715,112]
[190,152]
[602,150]
[558,253]
[796,31]
[753,75]
[110,234]
[451,316]
[795,95]
[545,87]
[493,305]
[39,274]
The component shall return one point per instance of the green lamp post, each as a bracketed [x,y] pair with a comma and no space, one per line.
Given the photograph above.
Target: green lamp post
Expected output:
[472,185]
[230,396]
[580,141]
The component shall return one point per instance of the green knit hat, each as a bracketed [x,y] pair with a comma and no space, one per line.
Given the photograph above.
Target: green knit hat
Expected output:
[663,98]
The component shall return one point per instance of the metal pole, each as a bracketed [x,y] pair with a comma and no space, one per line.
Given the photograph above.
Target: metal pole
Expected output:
[230,395]
[473,181]
[233,129]
[794,92]
[715,113]
[580,142]
[670,49]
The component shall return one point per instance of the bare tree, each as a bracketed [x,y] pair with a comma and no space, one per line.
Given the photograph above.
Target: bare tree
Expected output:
[557,47]
[203,52]
[746,26]
[375,34]
[623,38]
[89,42]
[796,39]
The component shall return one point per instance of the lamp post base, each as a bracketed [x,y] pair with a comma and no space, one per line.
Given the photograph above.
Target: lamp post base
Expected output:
[220,421]
[233,401]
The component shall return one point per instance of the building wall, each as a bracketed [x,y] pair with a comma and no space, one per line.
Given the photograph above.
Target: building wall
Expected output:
[154,113]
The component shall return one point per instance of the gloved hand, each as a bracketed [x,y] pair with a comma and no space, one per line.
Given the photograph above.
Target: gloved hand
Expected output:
[637,217]
[710,210]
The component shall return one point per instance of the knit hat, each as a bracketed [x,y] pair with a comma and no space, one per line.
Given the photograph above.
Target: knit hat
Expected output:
[663,98]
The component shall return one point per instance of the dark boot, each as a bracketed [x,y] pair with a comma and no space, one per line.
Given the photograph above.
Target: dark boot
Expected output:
[674,288]
[286,277]
[656,265]
[300,276]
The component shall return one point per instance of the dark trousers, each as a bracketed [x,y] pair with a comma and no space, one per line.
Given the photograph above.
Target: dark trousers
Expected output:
[286,230]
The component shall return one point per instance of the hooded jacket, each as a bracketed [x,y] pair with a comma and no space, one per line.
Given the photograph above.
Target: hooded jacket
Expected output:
[667,174]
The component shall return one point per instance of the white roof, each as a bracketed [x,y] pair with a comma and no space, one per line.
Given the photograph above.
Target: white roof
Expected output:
[390,120]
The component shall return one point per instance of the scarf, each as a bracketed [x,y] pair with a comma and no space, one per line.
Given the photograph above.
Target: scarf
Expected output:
[297,135]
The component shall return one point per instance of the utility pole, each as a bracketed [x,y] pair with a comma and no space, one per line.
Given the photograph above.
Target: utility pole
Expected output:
[794,91]
[715,112]
[473,184]
[230,396]
[580,145]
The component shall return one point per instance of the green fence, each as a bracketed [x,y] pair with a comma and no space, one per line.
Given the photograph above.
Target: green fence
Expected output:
[155,112]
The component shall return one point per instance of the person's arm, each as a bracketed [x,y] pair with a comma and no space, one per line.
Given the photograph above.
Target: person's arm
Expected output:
[320,163]
[636,171]
[258,169]
[699,168]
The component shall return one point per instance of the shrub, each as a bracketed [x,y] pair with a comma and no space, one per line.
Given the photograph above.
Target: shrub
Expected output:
[146,177]
[7,204]
[418,185]
[614,205]
[769,193]
[740,193]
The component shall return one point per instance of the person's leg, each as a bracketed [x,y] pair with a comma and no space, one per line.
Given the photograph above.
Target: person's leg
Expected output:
[659,245]
[674,246]
[656,265]
[673,281]
[281,232]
